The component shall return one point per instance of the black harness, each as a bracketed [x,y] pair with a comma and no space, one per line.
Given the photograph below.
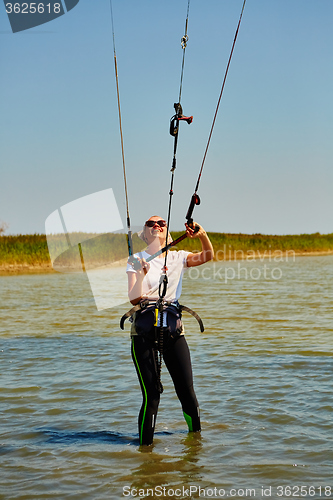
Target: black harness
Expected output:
[144,304]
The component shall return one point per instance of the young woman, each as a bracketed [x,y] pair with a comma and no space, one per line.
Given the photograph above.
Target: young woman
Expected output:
[143,289]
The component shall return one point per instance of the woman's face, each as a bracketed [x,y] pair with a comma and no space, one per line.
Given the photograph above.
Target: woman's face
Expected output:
[156,231]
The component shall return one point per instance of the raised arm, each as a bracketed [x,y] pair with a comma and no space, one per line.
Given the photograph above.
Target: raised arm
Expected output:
[207,251]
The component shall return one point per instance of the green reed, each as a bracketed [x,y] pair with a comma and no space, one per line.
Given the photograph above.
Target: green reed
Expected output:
[28,249]
[235,244]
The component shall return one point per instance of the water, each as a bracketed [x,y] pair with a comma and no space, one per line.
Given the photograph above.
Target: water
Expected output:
[263,375]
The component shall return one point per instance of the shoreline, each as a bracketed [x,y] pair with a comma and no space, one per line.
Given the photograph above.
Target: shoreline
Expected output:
[46,268]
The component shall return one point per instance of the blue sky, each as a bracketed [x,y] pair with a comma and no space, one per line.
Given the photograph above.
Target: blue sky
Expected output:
[269,166]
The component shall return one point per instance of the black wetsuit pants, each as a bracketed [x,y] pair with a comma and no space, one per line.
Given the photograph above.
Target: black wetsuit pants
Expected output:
[177,359]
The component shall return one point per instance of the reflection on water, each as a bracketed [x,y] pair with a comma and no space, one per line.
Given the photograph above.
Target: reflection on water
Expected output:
[263,375]
[68,438]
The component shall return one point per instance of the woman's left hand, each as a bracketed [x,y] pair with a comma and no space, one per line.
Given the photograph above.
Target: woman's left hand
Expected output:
[207,251]
[191,233]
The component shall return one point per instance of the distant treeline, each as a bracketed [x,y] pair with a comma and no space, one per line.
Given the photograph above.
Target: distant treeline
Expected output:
[33,250]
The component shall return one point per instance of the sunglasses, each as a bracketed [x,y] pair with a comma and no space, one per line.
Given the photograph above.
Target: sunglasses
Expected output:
[151,223]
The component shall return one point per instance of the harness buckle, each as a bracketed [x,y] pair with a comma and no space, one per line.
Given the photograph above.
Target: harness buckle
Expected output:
[144,304]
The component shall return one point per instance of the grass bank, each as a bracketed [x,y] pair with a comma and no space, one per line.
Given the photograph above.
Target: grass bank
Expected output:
[240,245]
[30,252]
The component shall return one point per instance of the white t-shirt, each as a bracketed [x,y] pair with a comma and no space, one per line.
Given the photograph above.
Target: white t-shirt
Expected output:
[176,263]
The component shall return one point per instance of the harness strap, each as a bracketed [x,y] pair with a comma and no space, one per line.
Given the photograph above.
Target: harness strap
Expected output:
[195,315]
[141,305]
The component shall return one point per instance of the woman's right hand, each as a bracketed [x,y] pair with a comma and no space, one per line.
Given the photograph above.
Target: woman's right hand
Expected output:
[141,267]
[145,266]
[135,281]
